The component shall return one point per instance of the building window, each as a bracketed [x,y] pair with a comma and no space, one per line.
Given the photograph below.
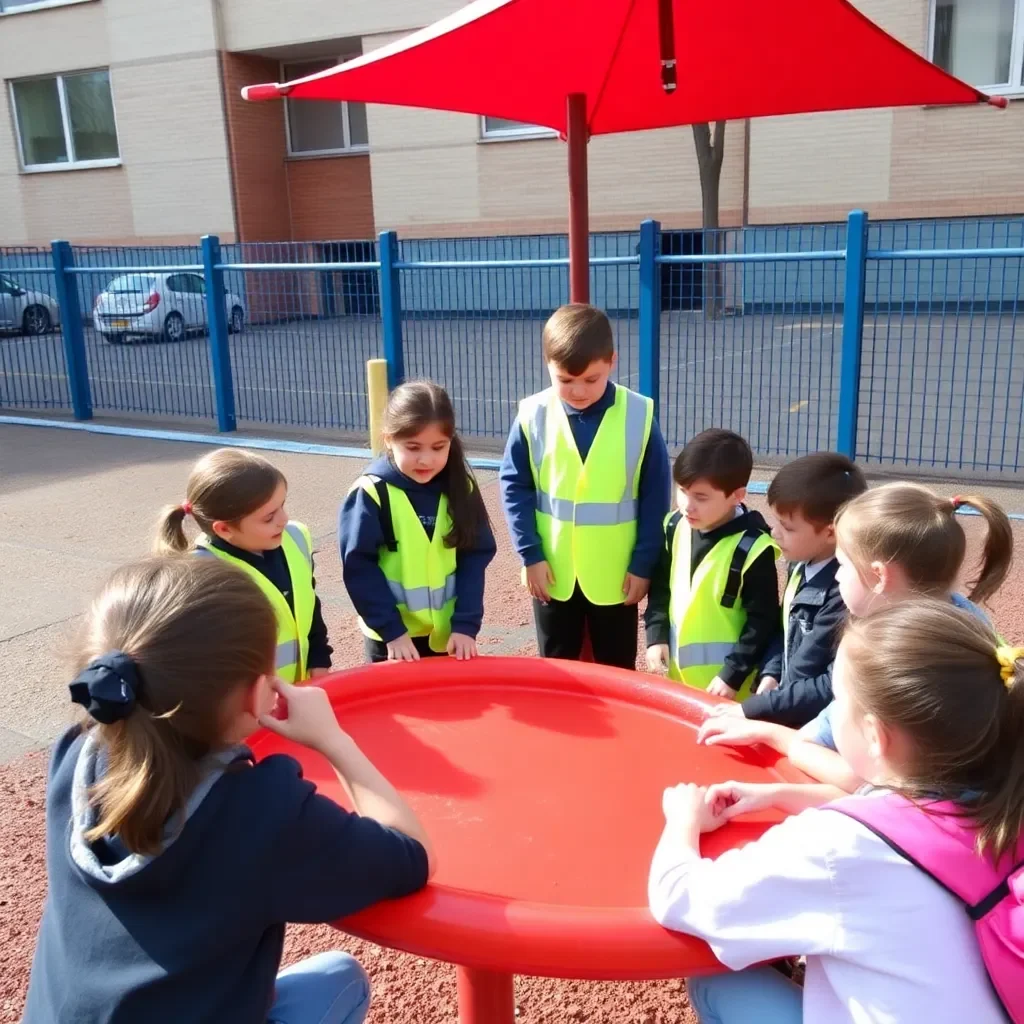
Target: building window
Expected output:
[316,128]
[65,121]
[24,6]
[981,42]
[503,128]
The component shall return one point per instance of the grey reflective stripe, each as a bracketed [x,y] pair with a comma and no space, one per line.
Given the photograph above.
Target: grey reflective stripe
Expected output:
[299,537]
[636,420]
[421,599]
[537,429]
[692,655]
[558,508]
[287,654]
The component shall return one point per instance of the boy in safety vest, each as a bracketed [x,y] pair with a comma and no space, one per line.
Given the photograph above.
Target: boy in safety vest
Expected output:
[584,486]
[713,610]
[805,496]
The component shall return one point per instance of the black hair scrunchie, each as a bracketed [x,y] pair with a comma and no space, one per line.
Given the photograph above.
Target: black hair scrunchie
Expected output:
[108,687]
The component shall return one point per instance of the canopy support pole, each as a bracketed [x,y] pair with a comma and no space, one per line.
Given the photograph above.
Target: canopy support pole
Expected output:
[579,203]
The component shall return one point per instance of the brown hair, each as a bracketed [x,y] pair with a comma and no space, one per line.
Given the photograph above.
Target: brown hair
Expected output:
[719,456]
[931,671]
[225,486]
[413,407]
[915,528]
[817,486]
[197,629]
[576,336]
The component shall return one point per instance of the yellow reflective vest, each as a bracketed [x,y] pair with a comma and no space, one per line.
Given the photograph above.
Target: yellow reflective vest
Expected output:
[706,615]
[587,509]
[292,627]
[421,569]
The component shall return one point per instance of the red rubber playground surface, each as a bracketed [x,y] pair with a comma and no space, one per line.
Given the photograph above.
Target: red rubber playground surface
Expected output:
[407,989]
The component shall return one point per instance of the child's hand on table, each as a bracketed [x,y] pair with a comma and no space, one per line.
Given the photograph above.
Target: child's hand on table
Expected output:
[403,649]
[657,658]
[462,647]
[539,580]
[730,710]
[686,805]
[767,684]
[720,689]
[729,731]
[727,800]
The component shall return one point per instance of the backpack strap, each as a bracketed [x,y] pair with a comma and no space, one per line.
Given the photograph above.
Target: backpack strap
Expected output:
[739,560]
[387,524]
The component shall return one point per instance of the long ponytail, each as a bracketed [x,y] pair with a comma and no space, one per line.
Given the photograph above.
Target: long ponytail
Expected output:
[998,552]
[465,502]
[170,532]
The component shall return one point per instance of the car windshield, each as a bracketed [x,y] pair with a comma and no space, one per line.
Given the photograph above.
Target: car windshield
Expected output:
[131,284]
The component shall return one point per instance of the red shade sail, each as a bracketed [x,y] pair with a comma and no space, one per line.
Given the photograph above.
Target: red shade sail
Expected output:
[520,59]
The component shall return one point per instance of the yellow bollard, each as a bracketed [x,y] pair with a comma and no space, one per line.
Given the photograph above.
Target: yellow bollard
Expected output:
[377,400]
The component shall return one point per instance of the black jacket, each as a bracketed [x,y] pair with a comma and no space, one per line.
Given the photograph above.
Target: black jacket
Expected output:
[816,619]
[759,596]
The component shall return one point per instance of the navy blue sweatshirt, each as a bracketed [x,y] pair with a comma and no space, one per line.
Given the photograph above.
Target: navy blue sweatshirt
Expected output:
[274,565]
[519,493]
[804,671]
[361,536]
[195,934]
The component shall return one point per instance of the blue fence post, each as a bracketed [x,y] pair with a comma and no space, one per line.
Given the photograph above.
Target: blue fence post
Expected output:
[71,330]
[853,332]
[650,312]
[217,319]
[391,308]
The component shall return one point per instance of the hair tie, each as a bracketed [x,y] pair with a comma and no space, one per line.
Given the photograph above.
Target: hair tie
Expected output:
[107,687]
[186,507]
[1008,658]
[956,501]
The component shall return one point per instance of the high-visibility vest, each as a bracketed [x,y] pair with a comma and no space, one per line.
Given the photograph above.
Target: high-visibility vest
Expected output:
[706,615]
[421,569]
[792,586]
[292,626]
[587,510]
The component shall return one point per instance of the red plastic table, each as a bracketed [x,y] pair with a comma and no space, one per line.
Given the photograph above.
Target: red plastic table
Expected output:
[540,784]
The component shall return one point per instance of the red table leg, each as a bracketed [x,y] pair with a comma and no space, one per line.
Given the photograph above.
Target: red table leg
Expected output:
[485,997]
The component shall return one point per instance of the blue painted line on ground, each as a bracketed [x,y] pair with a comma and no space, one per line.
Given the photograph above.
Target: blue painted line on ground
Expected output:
[295,447]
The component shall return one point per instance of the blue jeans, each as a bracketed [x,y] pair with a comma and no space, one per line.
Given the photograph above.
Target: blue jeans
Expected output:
[330,988]
[759,994]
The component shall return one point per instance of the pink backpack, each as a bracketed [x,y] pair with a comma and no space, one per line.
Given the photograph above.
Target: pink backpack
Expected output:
[940,842]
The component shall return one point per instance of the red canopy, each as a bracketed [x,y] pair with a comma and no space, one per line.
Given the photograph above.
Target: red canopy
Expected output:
[520,59]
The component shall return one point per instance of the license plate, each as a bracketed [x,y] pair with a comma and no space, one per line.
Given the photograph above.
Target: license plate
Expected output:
[120,323]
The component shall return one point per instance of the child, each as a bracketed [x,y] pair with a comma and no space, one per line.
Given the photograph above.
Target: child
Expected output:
[928,706]
[415,537]
[584,485]
[805,495]
[237,499]
[714,604]
[173,861]
[892,542]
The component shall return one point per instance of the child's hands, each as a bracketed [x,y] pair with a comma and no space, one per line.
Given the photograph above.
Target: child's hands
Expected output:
[686,805]
[539,580]
[319,673]
[634,588]
[720,689]
[727,731]
[403,649]
[728,800]
[462,647]
[767,684]
[309,717]
[731,710]
[657,658]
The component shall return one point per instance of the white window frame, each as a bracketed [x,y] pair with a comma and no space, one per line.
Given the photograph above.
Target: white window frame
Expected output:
[510,134]
[71,164]
[1014,88]
[348,149]
[39,5]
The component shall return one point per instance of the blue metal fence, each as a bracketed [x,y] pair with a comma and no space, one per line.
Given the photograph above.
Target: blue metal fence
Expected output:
[894,341]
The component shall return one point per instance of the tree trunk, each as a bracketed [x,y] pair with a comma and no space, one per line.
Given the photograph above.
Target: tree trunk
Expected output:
[710,152]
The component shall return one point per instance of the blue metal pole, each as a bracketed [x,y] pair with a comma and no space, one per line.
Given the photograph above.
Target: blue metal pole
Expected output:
[217,319]
[853,332]
[71,331]
[650,312]
[391,308]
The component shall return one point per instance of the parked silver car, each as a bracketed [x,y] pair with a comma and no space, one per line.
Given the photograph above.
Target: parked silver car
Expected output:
[22,309]
[159,305]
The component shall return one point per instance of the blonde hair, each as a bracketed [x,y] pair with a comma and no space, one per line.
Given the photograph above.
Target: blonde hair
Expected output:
[197,629]
[917,530]
[932,671]
[224,486]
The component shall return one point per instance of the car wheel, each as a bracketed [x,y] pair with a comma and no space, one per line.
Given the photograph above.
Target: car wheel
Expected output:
[237,323]
[36,319]
[174,327]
